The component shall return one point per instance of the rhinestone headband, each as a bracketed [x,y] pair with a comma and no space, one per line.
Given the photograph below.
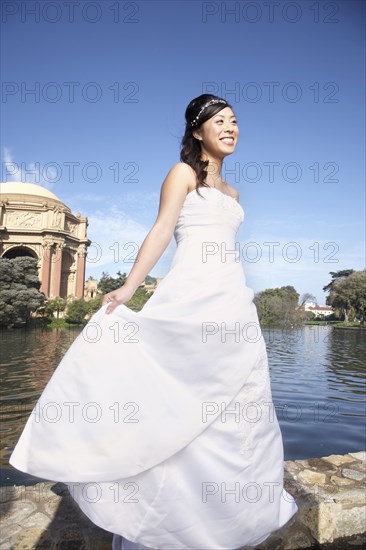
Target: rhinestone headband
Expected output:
[211,102]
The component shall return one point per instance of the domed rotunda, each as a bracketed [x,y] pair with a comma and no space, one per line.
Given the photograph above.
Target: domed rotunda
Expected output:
[34,222]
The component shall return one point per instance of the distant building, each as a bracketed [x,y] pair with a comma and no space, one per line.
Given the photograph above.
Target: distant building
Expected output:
[319,310]
[91,289]
[34,222]
[152,286]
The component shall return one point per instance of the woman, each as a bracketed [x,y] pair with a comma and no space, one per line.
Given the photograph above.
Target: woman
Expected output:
[161,422]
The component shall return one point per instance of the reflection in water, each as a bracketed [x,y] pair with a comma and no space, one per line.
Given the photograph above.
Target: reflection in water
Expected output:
[28,359]
[317,378]
[318,388]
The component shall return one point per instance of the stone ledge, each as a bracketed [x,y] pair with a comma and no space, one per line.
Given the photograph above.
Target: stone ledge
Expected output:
[329,491]
[331,496]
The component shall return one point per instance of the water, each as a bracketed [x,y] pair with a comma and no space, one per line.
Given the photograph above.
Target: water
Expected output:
[317,379]
[318,385]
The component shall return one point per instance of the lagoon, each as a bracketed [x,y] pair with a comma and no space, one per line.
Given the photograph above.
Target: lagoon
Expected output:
[317,378]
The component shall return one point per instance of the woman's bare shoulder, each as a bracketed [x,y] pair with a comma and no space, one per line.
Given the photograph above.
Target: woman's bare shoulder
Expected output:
[179,181]
[184,169]
[183,175]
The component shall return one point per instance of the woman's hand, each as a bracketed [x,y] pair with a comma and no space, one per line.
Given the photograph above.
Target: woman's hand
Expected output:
[117,297]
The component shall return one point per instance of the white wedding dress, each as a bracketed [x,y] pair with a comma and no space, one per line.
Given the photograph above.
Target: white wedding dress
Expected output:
[161,422]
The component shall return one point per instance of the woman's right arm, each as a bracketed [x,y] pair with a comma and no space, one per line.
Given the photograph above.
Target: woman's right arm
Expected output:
[173,192]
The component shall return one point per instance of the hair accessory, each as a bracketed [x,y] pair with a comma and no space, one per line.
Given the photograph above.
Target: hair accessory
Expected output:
[211,102]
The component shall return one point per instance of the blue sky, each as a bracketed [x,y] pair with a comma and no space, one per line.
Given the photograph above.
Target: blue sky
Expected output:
[102,127]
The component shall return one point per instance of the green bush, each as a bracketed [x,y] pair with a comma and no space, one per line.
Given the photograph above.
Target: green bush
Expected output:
[76,312]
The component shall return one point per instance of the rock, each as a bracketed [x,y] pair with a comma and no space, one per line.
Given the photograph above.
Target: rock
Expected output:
[359,466]
[9,493]
[321,465]
[329,491]
[31,538]
[353,474]
[340,480]
[38,520]
[292,467]
[297,540]
[351,522]
[17,512]
[349,495]
[311,477]
[338,460]
[51,508]
[273,542]
[303,464]
[97,544]
[361,455]
[71,538]
[9,534]
[322,519]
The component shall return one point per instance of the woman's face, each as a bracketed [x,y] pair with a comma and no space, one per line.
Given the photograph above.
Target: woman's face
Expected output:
[219,134]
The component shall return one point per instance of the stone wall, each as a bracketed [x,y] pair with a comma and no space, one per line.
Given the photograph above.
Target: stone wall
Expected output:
[331,496]
[329,491]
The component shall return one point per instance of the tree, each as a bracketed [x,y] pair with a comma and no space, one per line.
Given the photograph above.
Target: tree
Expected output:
[138,300]
[149,280]
[94,304]
[336,275]
[307,297]
[278,306]
[76,311]
[108,284]
[348,294]
[19,292]
[55,305]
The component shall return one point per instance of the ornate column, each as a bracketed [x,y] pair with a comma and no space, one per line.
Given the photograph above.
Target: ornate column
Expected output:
[46,268]
[80,271]
[56,269]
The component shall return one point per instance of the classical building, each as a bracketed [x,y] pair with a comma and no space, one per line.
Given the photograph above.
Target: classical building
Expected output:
[91,289]
[34,222]
[152,286]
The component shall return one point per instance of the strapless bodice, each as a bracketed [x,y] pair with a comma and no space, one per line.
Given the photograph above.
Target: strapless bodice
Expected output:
[214,211]
[205,232]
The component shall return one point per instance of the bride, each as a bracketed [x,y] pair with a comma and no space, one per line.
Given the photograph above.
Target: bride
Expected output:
[165,433]
[210,136]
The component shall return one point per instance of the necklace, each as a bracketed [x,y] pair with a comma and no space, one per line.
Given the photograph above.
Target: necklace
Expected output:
[224,186]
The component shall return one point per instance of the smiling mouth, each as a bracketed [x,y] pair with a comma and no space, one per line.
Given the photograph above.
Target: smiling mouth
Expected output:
[228,140]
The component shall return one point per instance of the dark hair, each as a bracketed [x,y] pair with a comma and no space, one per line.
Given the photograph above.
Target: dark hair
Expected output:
[190,146]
